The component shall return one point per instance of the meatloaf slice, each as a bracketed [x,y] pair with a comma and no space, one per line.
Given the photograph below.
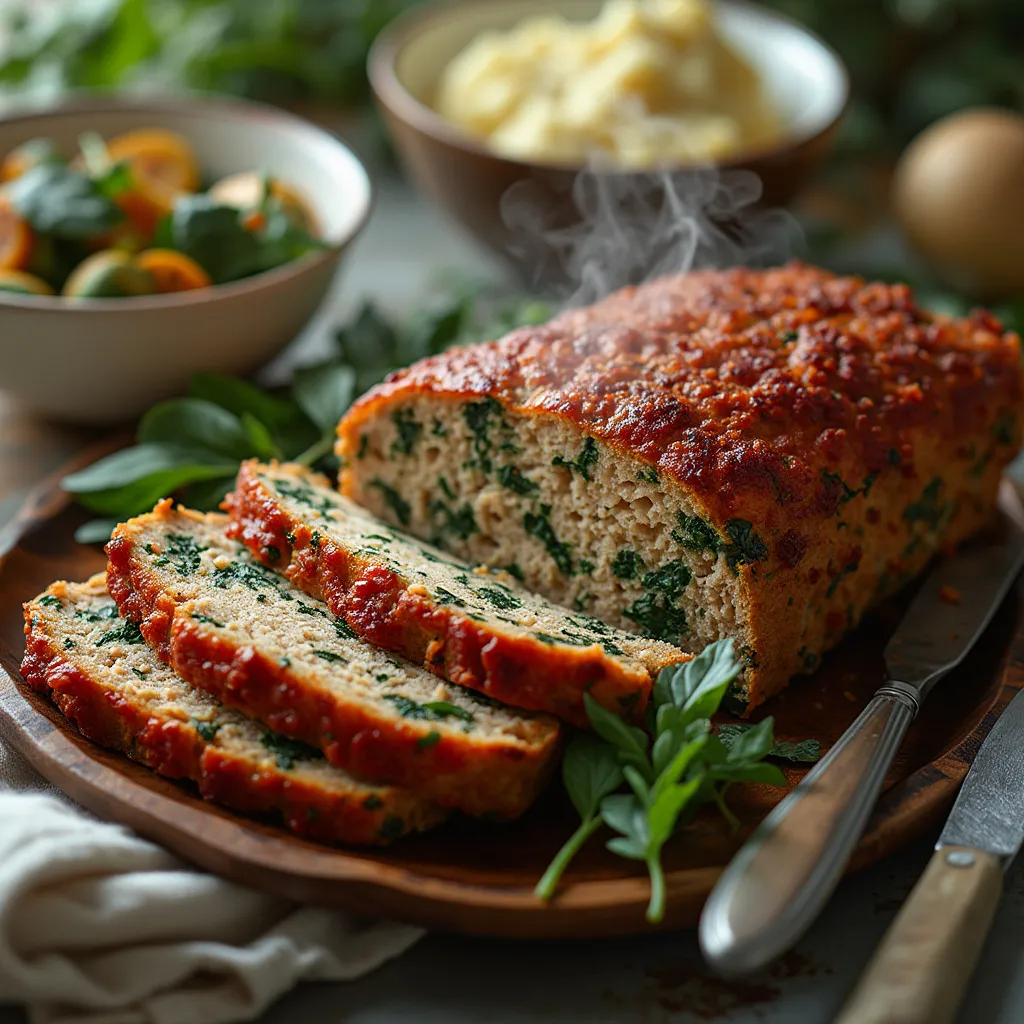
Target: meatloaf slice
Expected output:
[475,627]
[751,454]
[102,676]
[245,634]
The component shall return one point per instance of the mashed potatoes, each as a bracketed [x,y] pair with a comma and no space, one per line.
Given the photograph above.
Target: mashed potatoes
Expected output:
[648,83]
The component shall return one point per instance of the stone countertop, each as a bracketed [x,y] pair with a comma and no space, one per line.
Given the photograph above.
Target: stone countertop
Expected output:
[641,980]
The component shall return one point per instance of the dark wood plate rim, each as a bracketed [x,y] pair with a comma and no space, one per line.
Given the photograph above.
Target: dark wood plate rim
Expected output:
[269,858]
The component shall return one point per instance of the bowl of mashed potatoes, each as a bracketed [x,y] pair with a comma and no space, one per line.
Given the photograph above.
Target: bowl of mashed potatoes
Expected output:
[480,95]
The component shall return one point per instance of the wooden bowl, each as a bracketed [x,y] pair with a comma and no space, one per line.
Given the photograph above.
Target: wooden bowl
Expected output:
[806,80]
[106,360]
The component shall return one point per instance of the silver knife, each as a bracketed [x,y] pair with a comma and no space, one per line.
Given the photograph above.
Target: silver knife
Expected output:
[921,970]
[778,883]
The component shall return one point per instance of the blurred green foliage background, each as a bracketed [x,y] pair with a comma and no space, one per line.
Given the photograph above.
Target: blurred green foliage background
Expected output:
[911,60]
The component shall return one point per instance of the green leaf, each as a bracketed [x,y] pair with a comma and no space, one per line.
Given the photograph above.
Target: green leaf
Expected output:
[117,181]
[800,751]
[288,425]
[207,495]
[698,686]
[434,330]
[198,425]
[63,203]
[213,235]
[674,770]
[631,849]
[281,240]
[128,466]
[260,441]
[130,39]
[134,479]
[95,531]
[673,730]
[625,738]
[240,397]
[752,744]
[324,392]
[664,747]
[625,813]
[590,771]
[637,783]
[369,343]
[665,810]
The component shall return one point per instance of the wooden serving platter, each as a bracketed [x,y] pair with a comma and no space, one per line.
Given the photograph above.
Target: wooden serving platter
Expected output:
[476,877]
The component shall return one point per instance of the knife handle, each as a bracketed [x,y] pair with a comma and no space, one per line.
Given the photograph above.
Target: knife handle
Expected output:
[777,884]
[920,972]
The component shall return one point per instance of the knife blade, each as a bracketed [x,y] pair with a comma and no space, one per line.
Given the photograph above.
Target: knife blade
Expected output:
[779,881]
[921,969]
[989,811]
[953,607]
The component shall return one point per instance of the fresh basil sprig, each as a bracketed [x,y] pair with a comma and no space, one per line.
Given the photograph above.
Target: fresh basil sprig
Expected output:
[192,446]
[671,768]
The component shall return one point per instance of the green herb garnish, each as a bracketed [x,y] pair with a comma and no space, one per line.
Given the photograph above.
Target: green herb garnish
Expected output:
[668,779]
[800,751]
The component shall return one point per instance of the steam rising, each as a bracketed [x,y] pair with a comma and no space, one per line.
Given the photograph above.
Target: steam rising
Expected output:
[612,230]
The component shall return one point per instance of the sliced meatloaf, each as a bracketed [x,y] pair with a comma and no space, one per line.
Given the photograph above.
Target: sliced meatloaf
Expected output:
[248,636]
[752,454]
[102,676]
[476,627]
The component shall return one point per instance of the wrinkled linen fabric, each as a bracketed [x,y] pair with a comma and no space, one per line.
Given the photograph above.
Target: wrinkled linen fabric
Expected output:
[99,926]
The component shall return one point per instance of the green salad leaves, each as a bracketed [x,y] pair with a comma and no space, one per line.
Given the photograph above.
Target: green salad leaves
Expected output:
[670,769]
[191,447]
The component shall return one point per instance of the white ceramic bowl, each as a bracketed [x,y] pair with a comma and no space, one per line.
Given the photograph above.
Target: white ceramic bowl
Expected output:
[106,360]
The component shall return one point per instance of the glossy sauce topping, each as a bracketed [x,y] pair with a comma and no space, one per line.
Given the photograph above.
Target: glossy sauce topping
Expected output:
[743,384]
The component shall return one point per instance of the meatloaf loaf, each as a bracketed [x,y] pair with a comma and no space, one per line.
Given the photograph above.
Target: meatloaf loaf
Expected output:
[475,627]
[102,676]
[245,634]
[750,454]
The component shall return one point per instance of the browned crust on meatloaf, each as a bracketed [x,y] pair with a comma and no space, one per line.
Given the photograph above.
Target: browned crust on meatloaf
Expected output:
[173,747]
[771,397]
[495,777]
[393,613]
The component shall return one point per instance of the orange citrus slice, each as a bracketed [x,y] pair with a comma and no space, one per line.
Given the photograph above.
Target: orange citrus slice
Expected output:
[161,161]
[172,271]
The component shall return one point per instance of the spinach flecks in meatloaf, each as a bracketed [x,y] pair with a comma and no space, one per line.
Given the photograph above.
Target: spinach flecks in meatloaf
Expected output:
[188,732]
[760,403]
[472,625]
[283,662]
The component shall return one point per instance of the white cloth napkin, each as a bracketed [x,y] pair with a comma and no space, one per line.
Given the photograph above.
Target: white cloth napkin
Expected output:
[98,926]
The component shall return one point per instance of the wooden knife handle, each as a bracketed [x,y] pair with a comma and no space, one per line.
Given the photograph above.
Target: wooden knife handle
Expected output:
[920,972]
